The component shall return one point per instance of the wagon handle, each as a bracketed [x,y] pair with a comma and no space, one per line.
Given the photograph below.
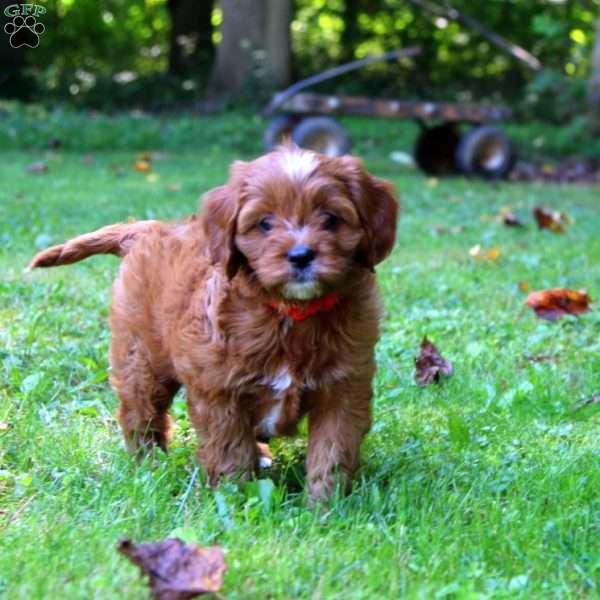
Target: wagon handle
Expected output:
[281,97]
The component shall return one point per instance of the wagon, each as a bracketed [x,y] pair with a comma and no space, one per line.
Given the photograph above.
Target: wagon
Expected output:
[454,137]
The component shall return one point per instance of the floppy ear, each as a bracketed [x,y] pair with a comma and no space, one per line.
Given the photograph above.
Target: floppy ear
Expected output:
[375,201]
[220,208]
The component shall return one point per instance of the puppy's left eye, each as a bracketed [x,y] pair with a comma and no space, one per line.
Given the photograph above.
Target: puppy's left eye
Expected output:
[265,224]
[331,221]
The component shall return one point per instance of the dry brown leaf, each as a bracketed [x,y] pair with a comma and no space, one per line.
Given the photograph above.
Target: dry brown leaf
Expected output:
[37,167]
[511,220]
[541,358]
[553,220]
[480,254]
[177,571]
[4,426]
[548,169]
[430,365]
[142,166]
[453,230]
[173,187]
[595,399]
[555,303]
[523,286]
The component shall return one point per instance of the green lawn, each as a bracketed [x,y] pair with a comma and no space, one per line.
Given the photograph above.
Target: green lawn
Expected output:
[486,486]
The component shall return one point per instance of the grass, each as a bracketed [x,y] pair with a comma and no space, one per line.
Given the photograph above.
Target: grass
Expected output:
[485,486]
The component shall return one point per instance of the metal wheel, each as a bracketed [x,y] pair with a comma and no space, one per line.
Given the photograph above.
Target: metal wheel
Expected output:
[323,135]
[435,149]
[485,151]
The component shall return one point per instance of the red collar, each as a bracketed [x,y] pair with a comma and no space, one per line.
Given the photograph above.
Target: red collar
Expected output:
[301,313]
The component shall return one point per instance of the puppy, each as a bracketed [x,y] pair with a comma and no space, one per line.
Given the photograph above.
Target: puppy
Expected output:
[264,307]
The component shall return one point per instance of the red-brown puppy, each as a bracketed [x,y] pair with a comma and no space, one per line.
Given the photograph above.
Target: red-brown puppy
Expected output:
[264,307]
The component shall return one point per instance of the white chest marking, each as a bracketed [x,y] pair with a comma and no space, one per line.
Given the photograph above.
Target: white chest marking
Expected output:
[268,424]
[281,382]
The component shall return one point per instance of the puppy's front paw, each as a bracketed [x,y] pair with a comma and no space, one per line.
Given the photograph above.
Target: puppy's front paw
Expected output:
[322,487]
[265,463]
[265,457]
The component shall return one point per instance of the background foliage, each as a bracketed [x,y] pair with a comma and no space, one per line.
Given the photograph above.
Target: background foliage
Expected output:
[114,54]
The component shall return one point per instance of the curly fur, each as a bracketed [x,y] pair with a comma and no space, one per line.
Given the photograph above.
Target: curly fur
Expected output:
[193,306]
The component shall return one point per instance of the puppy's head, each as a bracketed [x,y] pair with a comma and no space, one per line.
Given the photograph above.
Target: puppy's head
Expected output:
[300,222]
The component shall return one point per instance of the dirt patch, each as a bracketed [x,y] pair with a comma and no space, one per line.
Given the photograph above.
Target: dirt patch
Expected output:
[570,170]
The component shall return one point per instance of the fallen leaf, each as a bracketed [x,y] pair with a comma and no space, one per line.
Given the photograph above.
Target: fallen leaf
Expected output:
[402,158]
[595,399]
[548,169]
[145,156]
[511,220]
[177,571]
[453,230]
[479,254]
[4,426]
[553,220]
[430,364]
[523,286]
[37,167]
[142,166]
[432,181]
[152,177]
[555,303]
[541,358]
[173,187]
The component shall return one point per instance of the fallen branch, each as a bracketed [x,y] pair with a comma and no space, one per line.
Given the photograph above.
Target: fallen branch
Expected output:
[454,14]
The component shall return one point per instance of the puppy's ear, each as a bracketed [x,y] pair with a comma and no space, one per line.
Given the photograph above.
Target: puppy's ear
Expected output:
[375,201]
[220,208]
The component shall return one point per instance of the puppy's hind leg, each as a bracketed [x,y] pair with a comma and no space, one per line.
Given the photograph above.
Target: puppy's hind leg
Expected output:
[145,397]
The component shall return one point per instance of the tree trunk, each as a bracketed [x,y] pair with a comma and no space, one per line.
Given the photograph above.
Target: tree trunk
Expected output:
[12,61]
[351,30]
[279,17]
[594,81]
[255,45]
[190,41]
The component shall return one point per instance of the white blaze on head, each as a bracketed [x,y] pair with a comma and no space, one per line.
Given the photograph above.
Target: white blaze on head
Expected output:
[297,163]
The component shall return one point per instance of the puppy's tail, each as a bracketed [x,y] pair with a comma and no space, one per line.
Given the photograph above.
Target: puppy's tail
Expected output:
[112,239]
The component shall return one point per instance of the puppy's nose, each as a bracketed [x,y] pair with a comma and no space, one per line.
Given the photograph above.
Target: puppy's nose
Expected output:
[301,256]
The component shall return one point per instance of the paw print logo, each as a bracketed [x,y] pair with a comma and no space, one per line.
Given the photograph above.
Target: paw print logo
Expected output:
[24,31]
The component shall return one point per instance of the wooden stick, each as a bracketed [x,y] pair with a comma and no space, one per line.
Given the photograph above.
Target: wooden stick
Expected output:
[455,15]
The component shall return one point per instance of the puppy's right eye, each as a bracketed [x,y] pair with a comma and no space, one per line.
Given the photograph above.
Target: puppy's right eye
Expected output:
[265,224]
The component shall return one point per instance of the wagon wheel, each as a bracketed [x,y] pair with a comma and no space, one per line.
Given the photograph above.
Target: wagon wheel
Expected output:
[279,129]
[323,135]
[435,149]
[485,151]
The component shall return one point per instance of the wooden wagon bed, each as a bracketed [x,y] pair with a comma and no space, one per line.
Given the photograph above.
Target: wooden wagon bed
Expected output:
[390,108]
